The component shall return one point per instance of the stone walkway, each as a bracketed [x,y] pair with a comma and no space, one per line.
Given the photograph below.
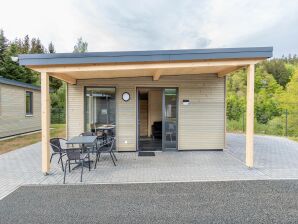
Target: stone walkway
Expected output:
[275,158]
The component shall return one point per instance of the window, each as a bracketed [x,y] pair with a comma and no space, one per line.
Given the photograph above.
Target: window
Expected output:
[100,107]
[29,103]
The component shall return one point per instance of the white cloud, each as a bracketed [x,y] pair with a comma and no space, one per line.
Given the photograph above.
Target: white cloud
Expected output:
[168,24]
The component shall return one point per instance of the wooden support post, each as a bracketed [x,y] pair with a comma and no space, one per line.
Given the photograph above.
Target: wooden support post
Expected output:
[250,116]
[66,111]
[45,122]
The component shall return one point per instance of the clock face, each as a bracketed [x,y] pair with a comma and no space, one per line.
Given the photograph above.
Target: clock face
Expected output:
[126,96]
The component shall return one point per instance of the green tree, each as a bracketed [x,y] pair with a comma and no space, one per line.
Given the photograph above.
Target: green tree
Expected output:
[3,44]
[289,102]
[289,98]
[12,70]
[55,84]
[58,97]
[26,45]
[81,46]
[36,47]
[277,68]
[236,96]
[267,93]
[51,48]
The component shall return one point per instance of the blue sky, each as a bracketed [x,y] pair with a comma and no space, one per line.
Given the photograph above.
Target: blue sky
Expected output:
[147,25]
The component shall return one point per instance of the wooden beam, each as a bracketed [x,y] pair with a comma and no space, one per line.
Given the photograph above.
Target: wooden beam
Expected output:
[45,122]
[64,78]
[157,75]
[250,116]
[228,70]
[150,66]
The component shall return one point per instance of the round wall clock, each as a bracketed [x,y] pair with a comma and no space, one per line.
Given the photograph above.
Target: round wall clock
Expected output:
[126,96]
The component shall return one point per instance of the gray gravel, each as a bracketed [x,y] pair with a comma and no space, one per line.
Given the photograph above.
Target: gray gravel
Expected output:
[201,202]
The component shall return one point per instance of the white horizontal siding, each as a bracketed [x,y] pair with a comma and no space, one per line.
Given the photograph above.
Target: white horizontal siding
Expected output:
[75,110]
[13,119]
[201,124]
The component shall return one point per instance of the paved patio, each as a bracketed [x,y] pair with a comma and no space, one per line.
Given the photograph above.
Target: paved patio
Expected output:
[275,158]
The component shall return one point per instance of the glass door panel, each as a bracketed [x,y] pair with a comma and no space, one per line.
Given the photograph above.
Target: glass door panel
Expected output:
[170,119]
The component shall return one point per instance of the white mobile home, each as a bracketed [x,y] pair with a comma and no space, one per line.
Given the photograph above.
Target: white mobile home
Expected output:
[20,108]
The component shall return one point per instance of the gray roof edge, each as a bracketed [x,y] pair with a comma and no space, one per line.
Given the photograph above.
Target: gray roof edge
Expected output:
[146,56]
[147,53]
[18,84]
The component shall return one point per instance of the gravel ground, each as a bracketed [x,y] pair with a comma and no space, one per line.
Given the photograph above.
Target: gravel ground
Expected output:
[263,201]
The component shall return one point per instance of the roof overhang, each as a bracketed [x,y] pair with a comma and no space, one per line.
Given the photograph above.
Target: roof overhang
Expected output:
[72,66]
[18,84]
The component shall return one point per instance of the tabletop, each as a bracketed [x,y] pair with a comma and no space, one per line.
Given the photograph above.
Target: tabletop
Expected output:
[82,140]
[105,127]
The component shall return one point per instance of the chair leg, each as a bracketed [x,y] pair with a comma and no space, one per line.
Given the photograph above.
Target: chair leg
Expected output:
[68,166]
[65,172]
[51,158]
[114,156]
[62,164]
[89,161]
[82,170]
[96,159]
[112,159]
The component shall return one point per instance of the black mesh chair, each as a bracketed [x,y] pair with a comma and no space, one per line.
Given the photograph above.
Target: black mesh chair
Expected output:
[90,148]
[55,144]
[74,156]
[88,133]
[106,147]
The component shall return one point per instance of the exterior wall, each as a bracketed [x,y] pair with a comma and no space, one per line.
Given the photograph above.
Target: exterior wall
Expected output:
[201,125]
[13,119]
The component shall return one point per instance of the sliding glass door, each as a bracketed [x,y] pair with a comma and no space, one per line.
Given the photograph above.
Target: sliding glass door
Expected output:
[170,119]
[100,107]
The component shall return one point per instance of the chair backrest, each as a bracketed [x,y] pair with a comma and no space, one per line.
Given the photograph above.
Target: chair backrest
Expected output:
[110,141]
[88,133]
[73,154]
[55,144]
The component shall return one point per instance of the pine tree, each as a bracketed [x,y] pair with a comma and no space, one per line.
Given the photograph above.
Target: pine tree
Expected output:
[36,46]
[81,46]
[51,48]
[26,45]
[3,44]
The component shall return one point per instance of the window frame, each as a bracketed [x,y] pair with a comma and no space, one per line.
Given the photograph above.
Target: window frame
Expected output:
[30,113]
[85,101]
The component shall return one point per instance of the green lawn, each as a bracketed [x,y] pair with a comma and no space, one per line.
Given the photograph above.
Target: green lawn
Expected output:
[57,130]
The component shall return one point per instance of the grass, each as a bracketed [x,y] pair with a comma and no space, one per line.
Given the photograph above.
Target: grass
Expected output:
[294,138]
[275,127]
[57,130]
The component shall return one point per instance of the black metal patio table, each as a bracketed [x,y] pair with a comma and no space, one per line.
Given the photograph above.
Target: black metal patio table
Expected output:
[83,140]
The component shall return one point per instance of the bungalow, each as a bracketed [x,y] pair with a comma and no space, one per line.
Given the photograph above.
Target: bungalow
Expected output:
[150,100]
[19,108]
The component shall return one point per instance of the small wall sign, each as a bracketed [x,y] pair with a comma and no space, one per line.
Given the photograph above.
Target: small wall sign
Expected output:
[126,96]
[185,102]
